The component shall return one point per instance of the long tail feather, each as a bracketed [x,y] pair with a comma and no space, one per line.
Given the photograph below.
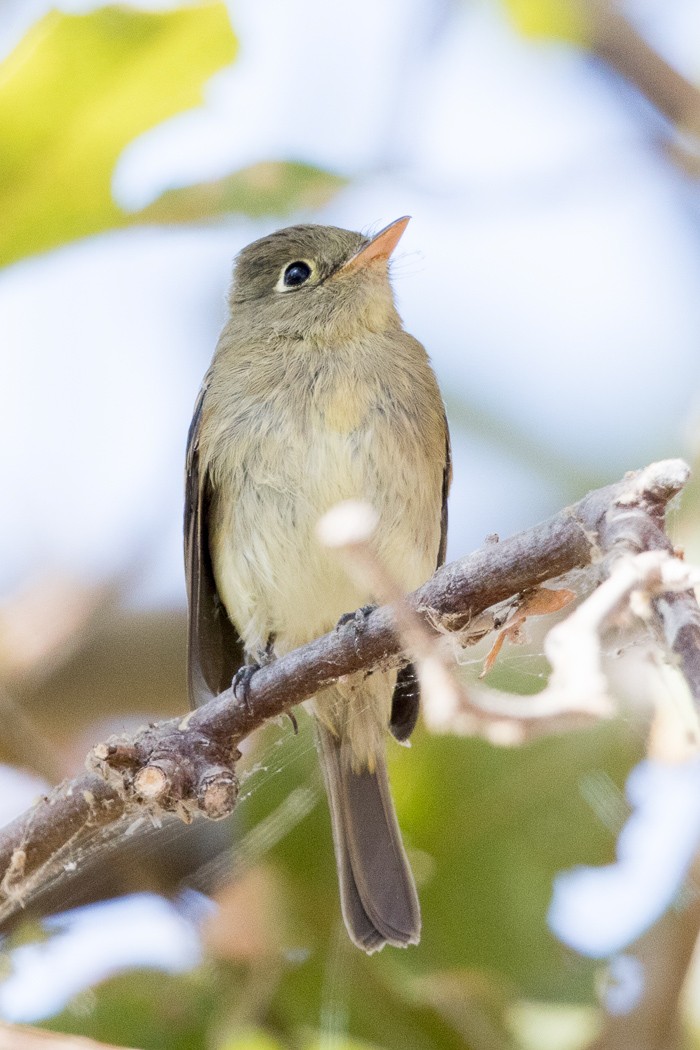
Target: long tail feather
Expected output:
[377,891]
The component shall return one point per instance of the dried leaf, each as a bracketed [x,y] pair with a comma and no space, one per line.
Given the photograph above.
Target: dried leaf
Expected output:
[540,602]
[543,601]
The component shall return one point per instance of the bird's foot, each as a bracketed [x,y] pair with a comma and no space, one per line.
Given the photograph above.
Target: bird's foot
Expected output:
[267,655]
[240,685]
[358,618]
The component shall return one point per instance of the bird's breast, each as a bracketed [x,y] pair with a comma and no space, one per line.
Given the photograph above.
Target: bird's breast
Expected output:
[345,409]
[306,447]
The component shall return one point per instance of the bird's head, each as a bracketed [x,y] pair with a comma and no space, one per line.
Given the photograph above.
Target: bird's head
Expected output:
[316,282]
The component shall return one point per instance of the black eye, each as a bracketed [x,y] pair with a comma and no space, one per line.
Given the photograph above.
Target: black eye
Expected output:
[296,273]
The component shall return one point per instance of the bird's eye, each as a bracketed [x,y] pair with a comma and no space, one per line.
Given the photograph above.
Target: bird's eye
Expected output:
[296,273]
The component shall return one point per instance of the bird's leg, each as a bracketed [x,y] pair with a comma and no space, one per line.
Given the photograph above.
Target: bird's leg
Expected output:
[358,618]
[240,685]
[269,653]
[266,658]
[244,675]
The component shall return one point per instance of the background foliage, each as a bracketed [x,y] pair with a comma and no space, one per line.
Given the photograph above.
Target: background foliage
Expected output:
[80,655]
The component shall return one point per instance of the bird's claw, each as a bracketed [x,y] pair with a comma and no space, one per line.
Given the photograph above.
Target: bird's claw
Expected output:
[357,618]
[240,685]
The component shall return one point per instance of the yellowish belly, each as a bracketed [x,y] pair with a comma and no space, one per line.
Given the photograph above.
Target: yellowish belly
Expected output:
[271,571]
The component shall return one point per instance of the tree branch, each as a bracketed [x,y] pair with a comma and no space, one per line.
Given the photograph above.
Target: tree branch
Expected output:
[188,765]
[616,40]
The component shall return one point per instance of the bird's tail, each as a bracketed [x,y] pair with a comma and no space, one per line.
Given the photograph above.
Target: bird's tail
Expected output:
[377,891]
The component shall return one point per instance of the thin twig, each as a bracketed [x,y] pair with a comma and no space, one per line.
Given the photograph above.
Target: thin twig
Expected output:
[619,43]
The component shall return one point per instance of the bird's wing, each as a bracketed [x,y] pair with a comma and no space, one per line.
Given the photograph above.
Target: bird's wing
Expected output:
[446,482]
[214,650]
[405,702]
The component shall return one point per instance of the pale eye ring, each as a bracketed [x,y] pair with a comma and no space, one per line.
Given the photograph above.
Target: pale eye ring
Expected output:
[294,275]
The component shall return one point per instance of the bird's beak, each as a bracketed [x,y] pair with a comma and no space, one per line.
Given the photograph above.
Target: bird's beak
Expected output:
[379,248]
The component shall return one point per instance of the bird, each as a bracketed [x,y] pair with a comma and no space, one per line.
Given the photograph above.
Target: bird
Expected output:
[316,394]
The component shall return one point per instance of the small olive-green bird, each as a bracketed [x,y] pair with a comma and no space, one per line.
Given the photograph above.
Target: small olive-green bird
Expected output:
[316,394]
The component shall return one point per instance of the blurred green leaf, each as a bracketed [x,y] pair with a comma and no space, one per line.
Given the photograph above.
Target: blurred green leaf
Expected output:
[251,1039]
[499,825]
[151,1010]
[271,188]
[551,19]
[74,92]
[554,1026]
[473,1001]
[339,1042]
[487,829]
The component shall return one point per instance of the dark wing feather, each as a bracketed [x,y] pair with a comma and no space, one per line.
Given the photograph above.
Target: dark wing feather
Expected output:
[214,650]
[405,702]
[446,482]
